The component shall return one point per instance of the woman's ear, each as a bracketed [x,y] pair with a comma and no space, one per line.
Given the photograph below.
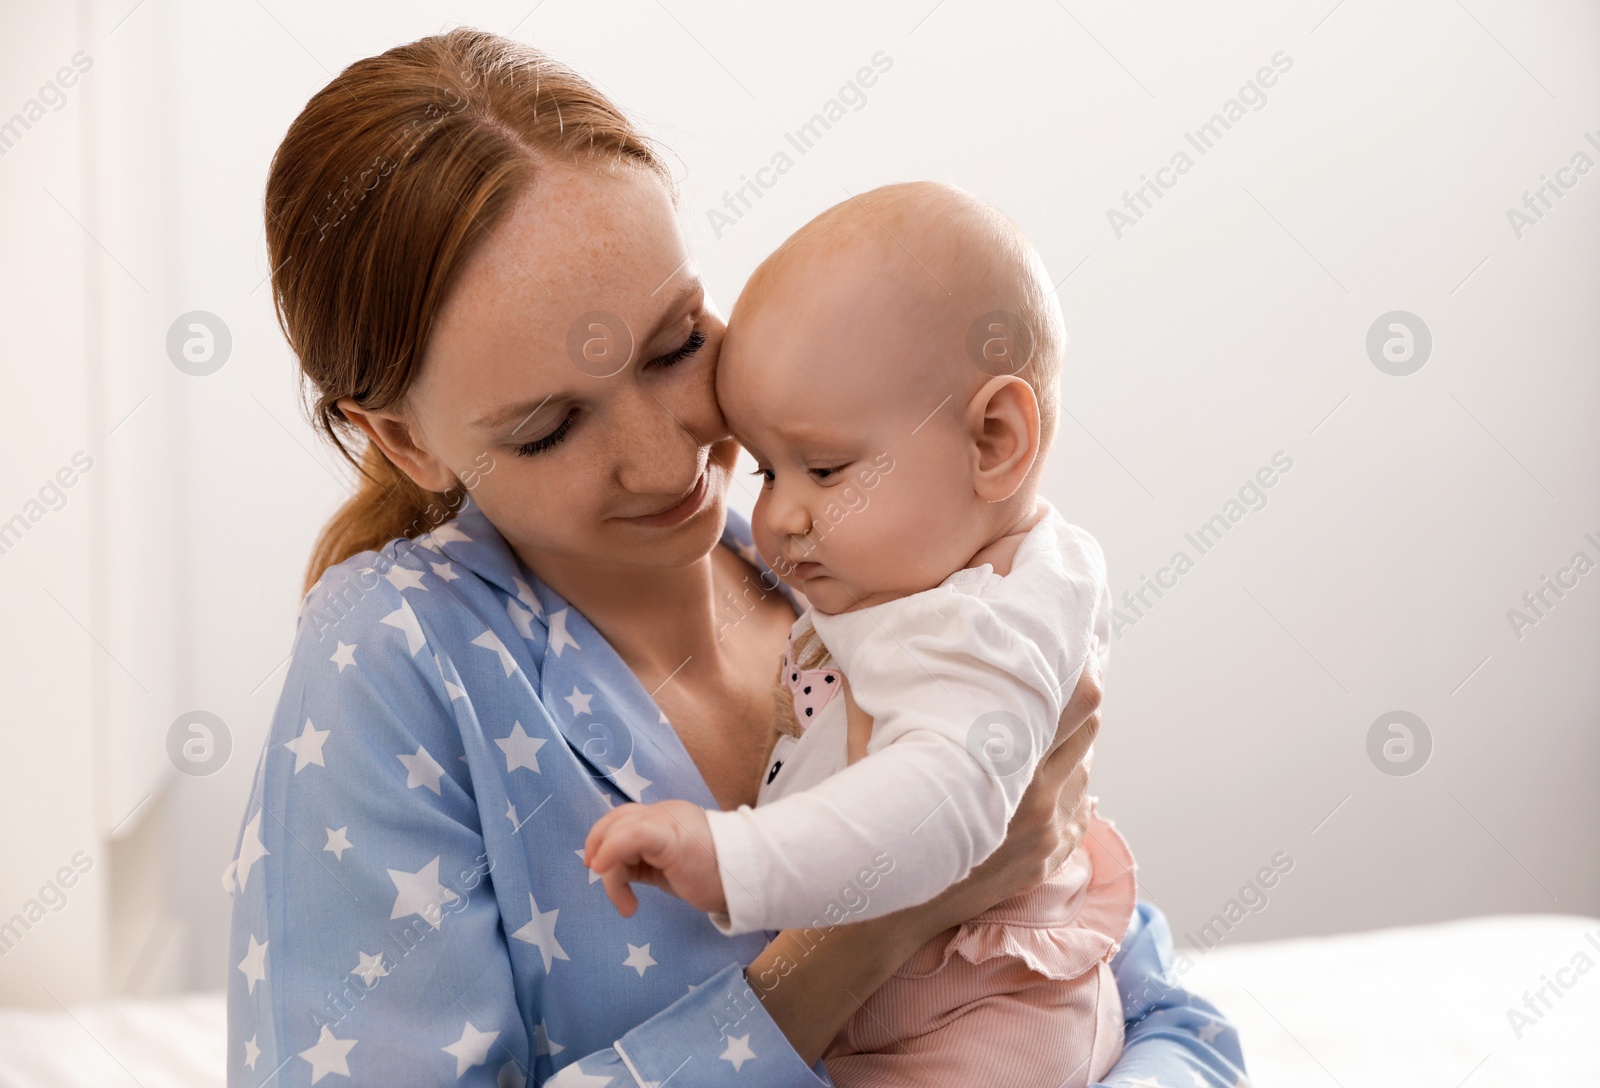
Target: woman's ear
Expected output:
[1003,422]
[393,435]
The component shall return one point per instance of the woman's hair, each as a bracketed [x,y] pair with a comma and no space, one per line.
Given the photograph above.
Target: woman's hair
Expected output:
[383,187]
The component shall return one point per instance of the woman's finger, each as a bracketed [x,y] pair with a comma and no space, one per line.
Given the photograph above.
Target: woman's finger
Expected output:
[1079,723]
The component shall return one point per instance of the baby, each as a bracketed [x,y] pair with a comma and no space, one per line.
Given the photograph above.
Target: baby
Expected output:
[892,369]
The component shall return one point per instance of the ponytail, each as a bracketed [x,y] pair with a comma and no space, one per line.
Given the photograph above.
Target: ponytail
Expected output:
[387,504]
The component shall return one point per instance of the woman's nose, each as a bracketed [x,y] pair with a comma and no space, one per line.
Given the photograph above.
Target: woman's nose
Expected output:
[656,452]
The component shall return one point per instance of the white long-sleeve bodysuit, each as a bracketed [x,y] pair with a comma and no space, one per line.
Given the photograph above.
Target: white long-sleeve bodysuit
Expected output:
[965,683]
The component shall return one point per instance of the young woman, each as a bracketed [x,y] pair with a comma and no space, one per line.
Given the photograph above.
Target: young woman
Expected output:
[537,606]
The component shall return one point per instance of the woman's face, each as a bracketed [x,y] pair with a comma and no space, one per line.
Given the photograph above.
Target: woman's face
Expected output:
[569,380]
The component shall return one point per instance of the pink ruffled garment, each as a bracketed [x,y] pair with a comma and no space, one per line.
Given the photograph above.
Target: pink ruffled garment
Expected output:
[1022,995]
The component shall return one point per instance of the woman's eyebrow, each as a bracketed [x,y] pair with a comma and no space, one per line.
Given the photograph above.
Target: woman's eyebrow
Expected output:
[521,411]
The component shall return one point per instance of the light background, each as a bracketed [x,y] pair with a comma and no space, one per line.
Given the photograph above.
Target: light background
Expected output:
[1227,325]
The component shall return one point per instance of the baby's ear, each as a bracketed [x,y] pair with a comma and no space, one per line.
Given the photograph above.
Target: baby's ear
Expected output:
[1003,422]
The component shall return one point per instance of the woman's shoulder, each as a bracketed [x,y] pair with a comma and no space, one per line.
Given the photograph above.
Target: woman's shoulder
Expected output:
[442,585]
[373,584]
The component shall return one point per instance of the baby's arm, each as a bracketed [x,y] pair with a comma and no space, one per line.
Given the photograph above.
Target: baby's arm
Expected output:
[667,844]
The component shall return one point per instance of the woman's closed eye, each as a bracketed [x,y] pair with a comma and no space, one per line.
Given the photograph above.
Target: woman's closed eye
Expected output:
[696,341]
[538,445]
[689,347]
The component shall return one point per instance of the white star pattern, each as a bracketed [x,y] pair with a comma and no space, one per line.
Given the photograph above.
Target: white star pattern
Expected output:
[1209,1031]
[404,619]
[405,578]
[639,958]
[451,691]
[511,814]
[579,701]
[541,933]
[251,1052]
[251,849]
[307,747]
[521,750]
[227,876]
[1199,1081]
[422,770]
[338,841]
[542,1043]
[444,571]
[629,779]
[254,964]
[471,1049]
[521,618]
[420,893]
[344,655]
[559,638]
[371,968]
[448,533]
[329,1055]
[573,1077]
[526,595]
[491,641]
[738,1051]
[510,1077]
[593,876]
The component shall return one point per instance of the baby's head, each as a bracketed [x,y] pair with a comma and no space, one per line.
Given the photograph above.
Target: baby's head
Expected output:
[892,368]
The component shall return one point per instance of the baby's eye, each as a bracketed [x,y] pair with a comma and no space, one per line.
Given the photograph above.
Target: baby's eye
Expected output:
[766,476]
[828,473]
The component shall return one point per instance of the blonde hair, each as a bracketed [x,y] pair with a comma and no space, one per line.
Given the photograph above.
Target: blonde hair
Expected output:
[384,185]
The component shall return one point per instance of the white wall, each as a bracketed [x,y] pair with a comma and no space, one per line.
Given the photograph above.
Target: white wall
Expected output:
[1225,326]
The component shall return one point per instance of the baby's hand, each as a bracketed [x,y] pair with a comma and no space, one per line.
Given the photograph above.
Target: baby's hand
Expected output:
[667,844]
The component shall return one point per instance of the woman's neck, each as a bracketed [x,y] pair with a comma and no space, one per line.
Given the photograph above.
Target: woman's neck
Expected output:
[664,621]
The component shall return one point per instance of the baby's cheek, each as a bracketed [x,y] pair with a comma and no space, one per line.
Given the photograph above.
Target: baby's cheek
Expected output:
[758,527]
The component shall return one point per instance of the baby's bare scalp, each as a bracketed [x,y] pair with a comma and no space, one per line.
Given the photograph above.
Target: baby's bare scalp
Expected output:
[965,280]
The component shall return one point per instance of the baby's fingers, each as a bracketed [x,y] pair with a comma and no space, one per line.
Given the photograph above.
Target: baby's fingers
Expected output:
[620,891]
[601,827]
[626,842]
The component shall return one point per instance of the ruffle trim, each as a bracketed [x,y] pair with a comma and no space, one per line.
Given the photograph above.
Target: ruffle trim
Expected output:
[1062,929]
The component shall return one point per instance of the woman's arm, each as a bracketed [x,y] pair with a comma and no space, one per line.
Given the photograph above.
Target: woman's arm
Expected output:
[366,939]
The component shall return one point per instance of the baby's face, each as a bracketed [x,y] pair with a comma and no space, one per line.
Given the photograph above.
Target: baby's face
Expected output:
[848,393]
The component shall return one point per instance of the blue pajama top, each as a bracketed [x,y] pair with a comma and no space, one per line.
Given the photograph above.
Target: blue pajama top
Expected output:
[410,900]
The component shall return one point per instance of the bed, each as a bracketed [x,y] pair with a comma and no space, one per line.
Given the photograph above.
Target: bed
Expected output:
[1411,1007]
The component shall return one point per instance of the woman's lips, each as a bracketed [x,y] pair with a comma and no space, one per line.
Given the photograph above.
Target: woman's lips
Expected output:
[683,511]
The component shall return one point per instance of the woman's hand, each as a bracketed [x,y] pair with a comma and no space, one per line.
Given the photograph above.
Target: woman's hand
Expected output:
[1048,825]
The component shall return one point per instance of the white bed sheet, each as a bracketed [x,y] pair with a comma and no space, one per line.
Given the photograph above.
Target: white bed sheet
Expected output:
[1416,1007]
